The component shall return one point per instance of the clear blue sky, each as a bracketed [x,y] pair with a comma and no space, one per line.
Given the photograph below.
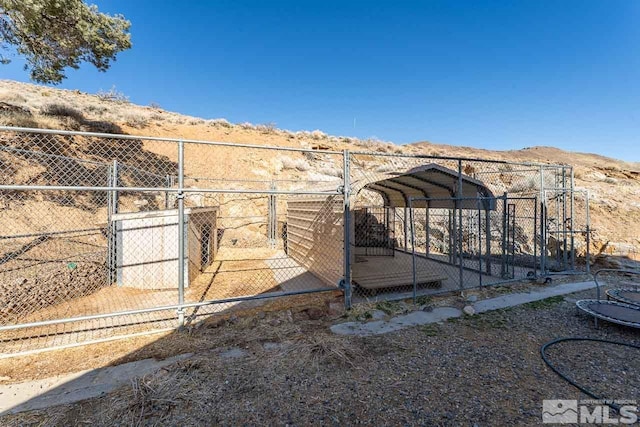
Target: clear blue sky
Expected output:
[499,75]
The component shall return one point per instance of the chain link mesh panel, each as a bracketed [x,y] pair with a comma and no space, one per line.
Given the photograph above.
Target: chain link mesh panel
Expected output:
[97,256]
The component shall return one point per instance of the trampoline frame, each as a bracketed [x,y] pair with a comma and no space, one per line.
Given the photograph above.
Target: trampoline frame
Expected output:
[584,304]
[614,294]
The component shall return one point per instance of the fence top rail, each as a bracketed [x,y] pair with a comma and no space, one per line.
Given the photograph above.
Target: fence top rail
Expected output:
[465,159]
[13,187]
[162,139]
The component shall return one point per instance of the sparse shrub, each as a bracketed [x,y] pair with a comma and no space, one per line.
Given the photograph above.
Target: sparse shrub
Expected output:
[331,171]
[318,134]
[196,121]
[267,127]
[299,164]
[310,155]
[95,108]
[155,105]
[12,98]
[113,95]
[62,110]
[524,186]
[219,123]
[246,125]
[17,119]
[105,127]
[136,120]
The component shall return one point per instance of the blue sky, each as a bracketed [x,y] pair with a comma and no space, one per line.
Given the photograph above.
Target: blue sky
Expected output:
[497,75]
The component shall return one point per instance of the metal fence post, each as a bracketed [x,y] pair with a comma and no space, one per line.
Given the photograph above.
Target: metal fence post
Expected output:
[413,251]
[535,241]
[272,223]
[572,223]
[427,230]
[459,196]
[504,269]
[112,200]
[588,237]
[346,191]
[167,182]
[479,241]
[181,236]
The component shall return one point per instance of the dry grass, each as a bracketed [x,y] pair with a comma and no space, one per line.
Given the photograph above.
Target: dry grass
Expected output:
[483,370]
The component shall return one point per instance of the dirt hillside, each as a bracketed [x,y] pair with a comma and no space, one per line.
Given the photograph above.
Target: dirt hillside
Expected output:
[614,185]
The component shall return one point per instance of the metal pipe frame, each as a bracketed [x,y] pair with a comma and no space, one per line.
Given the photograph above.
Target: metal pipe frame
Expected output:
[413,251]
[181,234]
[163,189]
[346,188]
[161,139]
[610,270]
[163,308]
[466,159]
[459,230]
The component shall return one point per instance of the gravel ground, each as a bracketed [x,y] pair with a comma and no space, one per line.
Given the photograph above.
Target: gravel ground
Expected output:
[480,370]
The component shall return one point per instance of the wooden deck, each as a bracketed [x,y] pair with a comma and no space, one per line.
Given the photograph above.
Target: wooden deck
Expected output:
[380,272]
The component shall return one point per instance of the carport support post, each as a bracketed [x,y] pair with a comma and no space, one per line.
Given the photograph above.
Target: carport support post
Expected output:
[406,229]
[346,194]
[413,252]
[426,228]
[503,269]
[181,236]
[487,222]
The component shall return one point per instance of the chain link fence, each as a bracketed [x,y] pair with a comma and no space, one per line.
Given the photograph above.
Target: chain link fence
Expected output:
[427,224]
[104,236]
[109,235]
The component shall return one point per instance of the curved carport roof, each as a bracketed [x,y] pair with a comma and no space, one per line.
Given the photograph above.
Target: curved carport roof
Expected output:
[430,181]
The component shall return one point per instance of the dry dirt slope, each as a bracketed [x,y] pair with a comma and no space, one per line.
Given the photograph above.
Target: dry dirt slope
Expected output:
[614,185]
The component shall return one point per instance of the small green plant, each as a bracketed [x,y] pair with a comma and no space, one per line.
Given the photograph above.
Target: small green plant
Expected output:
[544,303]
[423,300]
[488,321]
[430,330]
[389,307]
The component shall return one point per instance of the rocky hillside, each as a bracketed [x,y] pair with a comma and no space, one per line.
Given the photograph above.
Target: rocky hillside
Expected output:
[614,185]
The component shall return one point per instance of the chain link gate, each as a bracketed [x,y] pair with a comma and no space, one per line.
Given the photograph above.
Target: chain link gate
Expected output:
[488,242]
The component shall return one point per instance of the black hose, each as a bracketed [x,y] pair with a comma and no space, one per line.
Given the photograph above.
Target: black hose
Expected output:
[585,390]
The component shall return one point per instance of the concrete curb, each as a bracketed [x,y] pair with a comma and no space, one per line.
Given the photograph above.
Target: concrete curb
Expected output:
[70,388]
[439,314]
